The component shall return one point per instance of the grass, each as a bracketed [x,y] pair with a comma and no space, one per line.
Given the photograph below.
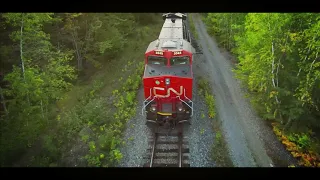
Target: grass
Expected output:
[205,91]
[219,151]
[94,113]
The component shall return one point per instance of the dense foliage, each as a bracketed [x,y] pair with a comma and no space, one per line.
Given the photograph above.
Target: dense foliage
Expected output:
[46,55]
[279,62]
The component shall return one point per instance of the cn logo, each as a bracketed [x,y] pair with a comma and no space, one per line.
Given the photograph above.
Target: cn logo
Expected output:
[168,91]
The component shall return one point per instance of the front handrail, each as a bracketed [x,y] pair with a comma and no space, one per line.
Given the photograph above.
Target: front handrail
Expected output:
[191,107]
[145,105]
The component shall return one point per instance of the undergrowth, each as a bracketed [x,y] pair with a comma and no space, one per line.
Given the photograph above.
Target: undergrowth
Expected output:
[219,151]
[101,121]
[299,145]
[204,90]
[105,150]
[92,122]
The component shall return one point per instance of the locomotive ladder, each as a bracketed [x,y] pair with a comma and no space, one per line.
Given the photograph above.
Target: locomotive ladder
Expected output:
[168,150]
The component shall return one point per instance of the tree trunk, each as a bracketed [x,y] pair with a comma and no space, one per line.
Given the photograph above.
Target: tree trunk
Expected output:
[273,63]
[21,52]
[21,45]
[78,53]
[86,44]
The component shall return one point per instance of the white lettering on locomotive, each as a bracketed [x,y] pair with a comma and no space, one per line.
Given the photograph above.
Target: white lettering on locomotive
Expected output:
[168,91]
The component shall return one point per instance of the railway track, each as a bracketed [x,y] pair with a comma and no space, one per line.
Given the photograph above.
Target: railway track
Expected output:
[168,149]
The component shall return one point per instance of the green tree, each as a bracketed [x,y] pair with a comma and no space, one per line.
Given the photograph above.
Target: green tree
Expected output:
[226,26]
[278,54]
[41,78]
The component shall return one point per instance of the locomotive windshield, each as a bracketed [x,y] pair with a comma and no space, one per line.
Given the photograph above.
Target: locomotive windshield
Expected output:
[181,60]
[157,60]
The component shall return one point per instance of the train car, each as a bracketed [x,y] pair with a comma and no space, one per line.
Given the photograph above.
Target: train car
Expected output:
[168,75]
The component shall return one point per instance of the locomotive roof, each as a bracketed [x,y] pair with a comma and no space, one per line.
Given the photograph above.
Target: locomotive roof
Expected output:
[171,37]
[171,30]
[163,43]
[156,70]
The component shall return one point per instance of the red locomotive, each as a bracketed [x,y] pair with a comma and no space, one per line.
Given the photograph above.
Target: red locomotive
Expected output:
[168,76]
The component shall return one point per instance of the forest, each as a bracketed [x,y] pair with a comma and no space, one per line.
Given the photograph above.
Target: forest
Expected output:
[56,70]
[278,63]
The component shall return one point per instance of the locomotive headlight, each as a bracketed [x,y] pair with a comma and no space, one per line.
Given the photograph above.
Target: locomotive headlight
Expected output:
[153,108]
[167,81]
[157,82]
[180,107]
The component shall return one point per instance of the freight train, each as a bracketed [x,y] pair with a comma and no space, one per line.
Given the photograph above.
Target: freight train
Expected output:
[168,76]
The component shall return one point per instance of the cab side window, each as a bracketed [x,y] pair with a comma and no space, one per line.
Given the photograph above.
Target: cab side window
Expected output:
[181,60]
[157,60]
